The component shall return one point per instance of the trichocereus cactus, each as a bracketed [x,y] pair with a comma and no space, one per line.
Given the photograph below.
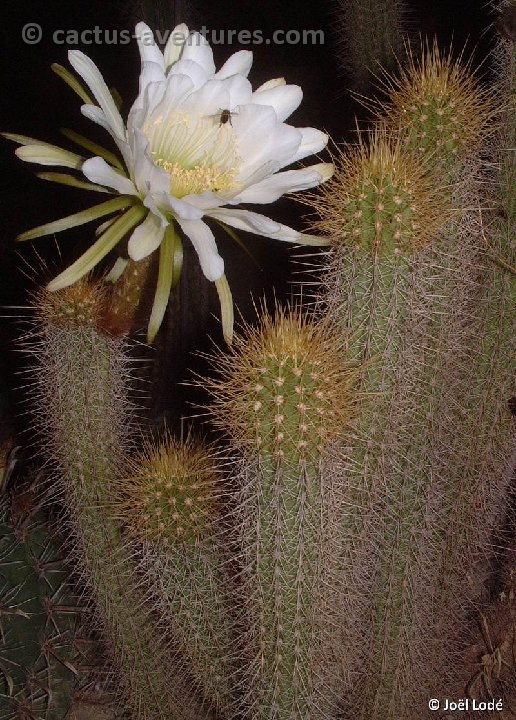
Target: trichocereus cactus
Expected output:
[41,660]
[402,274]
[283,395]
[466,130]
[79,391]
[389,285]
[170,504]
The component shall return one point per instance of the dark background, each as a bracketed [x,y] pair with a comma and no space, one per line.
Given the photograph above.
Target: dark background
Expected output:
[37,103]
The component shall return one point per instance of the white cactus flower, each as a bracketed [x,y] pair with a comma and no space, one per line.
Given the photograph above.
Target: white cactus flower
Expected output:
[198,144]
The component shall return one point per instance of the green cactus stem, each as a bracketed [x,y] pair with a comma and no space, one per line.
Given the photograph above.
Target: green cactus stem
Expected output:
[480,461]
[170,504]
[439,107]
[283,395]
[398,284]
[81,394]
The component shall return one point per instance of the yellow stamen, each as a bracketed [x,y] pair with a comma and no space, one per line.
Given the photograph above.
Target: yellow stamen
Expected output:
[196,180]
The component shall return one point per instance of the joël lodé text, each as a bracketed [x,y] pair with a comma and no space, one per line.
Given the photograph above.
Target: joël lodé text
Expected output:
[470,704]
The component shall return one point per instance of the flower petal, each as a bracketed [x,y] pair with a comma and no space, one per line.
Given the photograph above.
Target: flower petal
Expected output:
[226,308]
[91,75]
[98,250]
[166,203]
[261,138]
[191,69]
[117,270]
[54,154]
[283,98]
[210,98]
[313,141]
[96,115]
[274,186]
[93,147]
[246,220]
[174,46]
[288,234]
[148,177]
[170,263]
[263,171]
[149,50]
[24,139]
[71,181]
[146,238]
[239,90]
[71,81]
[204,201]
[151,73]
[271,84]
[203,241]
[44,154]
[240,219]
[178,87]
[79,218]
[239,63]
[97,170]
[198,49]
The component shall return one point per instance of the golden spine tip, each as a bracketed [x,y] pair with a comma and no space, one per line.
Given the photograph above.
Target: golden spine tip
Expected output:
[382,198]
[79,305]
[283,389]
[439,104]
[170,492]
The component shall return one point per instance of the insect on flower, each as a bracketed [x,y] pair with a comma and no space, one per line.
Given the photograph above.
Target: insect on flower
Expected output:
[223,116]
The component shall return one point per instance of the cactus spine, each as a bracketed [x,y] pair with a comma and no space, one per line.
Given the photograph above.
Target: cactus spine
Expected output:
[81,395]
[283,395]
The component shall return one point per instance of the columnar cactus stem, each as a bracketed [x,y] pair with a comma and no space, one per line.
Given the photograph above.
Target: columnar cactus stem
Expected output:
[438,107]
[80,390]
[170,503]
[398,290]
[480,461]
[283,395]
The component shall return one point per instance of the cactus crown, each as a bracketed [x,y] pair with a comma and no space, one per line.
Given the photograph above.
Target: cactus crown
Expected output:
[170,494]
[438,105]
[381,199]
[283,390]
[79,305]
